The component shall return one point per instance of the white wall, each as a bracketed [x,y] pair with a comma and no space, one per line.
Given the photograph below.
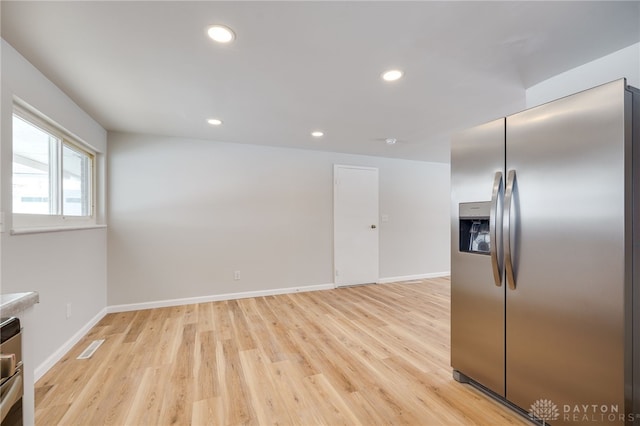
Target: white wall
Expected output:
[64,267]
[623,63]
[415,240]
[184,214]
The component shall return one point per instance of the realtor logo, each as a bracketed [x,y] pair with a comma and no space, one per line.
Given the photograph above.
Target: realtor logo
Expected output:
[545,410]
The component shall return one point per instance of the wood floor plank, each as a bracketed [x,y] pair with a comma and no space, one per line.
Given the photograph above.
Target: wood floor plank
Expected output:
[301,404]
[148,400]
[236,400]
[206,371]
[222,321]
[207,412]
[137,325]
[282,325]
[205,317]
[161,351]
[53,413]
[335,410]
[92,403]
[265,399]
[178,398]
[151,334]
[260,331]
[369,355]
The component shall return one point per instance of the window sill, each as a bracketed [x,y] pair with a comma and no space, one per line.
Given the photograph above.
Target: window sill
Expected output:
[44,229]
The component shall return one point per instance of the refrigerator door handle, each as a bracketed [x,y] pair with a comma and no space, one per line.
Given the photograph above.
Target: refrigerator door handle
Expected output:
[507,225]
[495,195]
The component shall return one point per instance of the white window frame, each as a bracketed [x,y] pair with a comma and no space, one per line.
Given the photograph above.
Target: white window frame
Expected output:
[26,223]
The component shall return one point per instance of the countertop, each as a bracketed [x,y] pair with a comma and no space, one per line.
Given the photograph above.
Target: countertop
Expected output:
[11,304]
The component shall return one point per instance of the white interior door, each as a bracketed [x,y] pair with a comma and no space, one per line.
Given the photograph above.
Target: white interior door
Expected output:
[355,201]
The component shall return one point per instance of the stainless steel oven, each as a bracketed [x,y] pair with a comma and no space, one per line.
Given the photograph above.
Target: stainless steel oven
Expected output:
[11,382]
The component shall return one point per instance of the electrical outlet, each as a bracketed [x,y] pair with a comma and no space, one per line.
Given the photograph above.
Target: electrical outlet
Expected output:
[68,310]
[236,275]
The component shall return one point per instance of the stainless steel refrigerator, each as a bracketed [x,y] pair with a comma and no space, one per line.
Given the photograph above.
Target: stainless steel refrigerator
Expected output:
[545,258]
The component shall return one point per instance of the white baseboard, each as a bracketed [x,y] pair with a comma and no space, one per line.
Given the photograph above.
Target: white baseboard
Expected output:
[414,277]
[42,369]
[216,298]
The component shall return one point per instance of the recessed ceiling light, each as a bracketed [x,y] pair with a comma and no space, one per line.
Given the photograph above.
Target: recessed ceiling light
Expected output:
[214,121]
[392,75]
[317,134]
[391,141]
[221,34]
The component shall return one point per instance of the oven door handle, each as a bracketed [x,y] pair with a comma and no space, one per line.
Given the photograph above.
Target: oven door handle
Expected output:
[11,395]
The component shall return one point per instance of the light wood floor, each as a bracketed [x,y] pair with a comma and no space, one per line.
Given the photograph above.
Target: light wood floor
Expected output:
[376,354]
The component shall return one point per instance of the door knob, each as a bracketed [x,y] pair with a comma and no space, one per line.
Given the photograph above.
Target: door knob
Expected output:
[373,227]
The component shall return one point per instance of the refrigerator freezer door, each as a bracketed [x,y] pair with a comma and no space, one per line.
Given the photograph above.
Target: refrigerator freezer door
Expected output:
[477,303]
[565,319]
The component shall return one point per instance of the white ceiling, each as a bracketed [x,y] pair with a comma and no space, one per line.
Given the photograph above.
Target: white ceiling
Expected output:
[294,67]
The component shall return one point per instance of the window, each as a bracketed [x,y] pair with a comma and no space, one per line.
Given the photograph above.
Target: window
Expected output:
[53,175]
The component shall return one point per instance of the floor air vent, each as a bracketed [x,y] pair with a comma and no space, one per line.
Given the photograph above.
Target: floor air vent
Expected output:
[91,349]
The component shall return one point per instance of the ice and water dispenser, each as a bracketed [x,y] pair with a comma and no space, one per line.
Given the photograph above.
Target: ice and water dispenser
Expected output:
[474,227]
